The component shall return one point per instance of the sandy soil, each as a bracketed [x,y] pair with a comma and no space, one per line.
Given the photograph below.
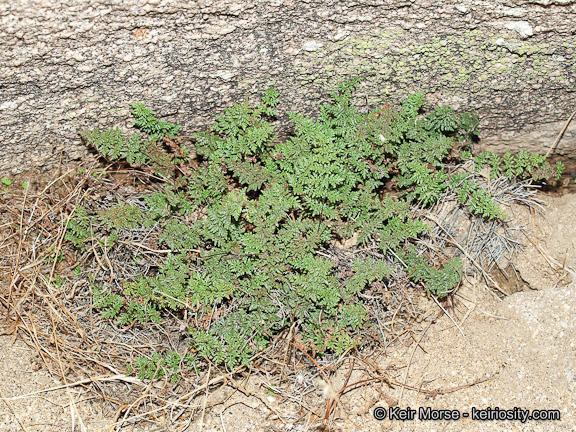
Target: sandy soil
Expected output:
[525,345]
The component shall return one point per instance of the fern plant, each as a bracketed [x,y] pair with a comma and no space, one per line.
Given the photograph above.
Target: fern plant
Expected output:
[521,166]
[477,199]
[137,150]
[269,206]
[438,281]
[158,366]
[79,229]
[145,121]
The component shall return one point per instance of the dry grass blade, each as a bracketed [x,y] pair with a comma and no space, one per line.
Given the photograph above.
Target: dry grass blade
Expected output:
[120,377]
[555,264]
[559,137]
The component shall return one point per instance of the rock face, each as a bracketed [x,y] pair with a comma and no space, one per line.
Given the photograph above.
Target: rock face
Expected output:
[76,64]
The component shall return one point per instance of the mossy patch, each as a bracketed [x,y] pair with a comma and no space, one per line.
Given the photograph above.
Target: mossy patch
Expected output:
[453,63]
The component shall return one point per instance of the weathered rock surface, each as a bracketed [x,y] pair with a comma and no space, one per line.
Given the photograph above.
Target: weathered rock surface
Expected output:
[77,64]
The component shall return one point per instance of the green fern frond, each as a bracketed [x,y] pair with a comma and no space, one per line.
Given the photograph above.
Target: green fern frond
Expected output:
[145,121]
